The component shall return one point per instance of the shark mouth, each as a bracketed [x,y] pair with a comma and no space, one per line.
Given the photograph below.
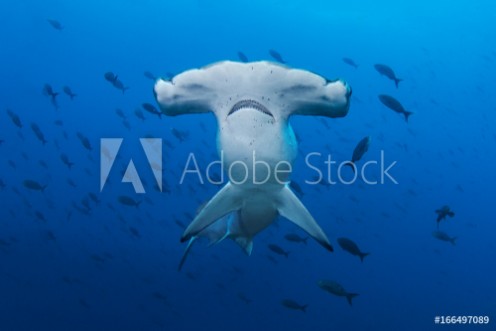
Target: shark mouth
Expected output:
[252,104]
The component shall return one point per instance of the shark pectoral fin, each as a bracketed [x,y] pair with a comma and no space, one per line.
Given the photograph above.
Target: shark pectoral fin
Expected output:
[224,202]
[290,207]
[186,253]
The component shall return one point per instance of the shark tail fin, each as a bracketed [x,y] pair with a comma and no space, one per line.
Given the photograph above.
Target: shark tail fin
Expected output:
[304,308]
[453,241]
[350,296]
[224,202]
[186,253]
[290,207]
[397,81]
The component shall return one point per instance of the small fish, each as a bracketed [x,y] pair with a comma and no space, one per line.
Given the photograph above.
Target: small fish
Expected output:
[443,236]
[134,232]
[278,250]
[244,298]
[151,109]
[352,248]
[120,113]
[442,213]
[71,183]
[94,198]
[110,76]
[150,76]
[128,201]
[67,90]
[65,160]
[38,133]
[15,118]
[34,185]
[336,289]
[291,304]
[39,215]
[120,86]
[242,57]
[293,237]
[276,56]
[180,135]
[360,149]
[84,141]
[114,80]
[139,114]
[55,24]
[49,92]
[385,70]
[350,62]
[394,105]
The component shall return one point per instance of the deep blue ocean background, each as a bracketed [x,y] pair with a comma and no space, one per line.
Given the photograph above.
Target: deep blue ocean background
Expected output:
[64,266]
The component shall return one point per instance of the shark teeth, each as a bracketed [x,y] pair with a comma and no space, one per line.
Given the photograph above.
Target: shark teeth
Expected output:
[249,103]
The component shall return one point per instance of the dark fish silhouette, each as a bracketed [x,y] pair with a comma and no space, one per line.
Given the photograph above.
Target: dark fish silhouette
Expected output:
[151,109]
[48,91]
[84,141]
[350,62]
[114,80]
[34,185]
[394,105]
[139,114]
[442,213]
[386,71]
[352,248]
[15,118]
[276,56]
[242,57]
[128,201]
[180,135]
[150,76]
[120,113]
[55,24]
[295,238]
[65,160]
[2,185]
[38,133]
[444,237]
[360,149]
[67,90]
[336,289]
[278,250]
[291,304]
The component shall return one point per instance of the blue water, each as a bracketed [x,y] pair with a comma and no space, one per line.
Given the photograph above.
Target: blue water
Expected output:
[114,267]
